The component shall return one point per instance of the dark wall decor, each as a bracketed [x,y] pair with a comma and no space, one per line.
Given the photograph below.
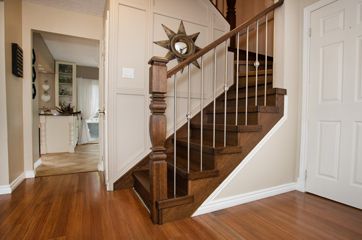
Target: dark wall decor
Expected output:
[180,45]
[34,73]
[17,60]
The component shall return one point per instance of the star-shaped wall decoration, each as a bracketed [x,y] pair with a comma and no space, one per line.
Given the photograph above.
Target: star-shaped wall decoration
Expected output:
[180,45]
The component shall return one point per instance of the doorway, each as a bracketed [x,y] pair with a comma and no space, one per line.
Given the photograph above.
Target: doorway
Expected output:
[334,96]
[66,102]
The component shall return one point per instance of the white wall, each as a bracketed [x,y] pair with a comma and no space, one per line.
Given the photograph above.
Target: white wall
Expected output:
[42,18]
[276,164]
[4,163]
[134,26]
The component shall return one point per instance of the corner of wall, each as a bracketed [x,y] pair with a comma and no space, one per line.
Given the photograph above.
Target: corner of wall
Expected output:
[4,162]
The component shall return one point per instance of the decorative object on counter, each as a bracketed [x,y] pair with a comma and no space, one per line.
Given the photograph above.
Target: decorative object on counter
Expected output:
[45,110]
[65,108]
[45,85]
[45,97]
[34,73]
[180,45]
[17,60]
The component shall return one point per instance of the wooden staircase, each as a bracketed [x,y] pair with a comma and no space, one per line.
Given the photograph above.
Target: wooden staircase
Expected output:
[195,186]
[153,177]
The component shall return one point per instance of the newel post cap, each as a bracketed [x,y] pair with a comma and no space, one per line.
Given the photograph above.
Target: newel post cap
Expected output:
[158,60]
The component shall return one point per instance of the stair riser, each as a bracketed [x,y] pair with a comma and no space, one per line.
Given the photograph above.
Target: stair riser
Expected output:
[253,118]
[242,67]
[207,158]
[143,193]
[231,137]
[251,89]
[252,81]
[182,183]
[271,100]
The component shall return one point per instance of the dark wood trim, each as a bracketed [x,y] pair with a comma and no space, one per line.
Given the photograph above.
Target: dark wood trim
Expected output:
[222,39]
[222,14]
[231,18]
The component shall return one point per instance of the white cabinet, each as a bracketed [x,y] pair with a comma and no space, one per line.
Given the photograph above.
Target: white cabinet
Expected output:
[58,133]
[65,84]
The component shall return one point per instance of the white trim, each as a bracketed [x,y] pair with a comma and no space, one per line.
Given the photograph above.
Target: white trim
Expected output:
[37,163]
[211,199]
[5,189]
[244,198]
[14,184]
[29,174]
[301,182]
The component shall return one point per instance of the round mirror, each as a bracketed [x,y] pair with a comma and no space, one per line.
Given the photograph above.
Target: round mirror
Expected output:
[181,47]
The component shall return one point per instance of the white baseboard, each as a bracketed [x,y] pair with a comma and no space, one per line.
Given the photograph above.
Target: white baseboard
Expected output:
[301,184]
[29,174]
[37,163]
[14,184]
[5,189]
[228,202]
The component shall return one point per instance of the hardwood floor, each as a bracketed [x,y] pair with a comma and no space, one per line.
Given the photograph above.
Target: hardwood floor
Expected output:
[84,159]
[77,206]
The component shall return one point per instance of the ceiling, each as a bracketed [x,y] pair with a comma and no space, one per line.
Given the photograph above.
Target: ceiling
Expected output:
[81,51]
[92,7]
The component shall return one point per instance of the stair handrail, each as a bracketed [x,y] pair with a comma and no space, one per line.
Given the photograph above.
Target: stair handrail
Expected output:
[222,39]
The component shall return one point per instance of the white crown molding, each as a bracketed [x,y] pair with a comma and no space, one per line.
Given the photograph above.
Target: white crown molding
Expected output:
[210,201]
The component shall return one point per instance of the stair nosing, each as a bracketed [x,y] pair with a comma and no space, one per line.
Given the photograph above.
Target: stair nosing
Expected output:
[210,149]
[251,109]
[229,127]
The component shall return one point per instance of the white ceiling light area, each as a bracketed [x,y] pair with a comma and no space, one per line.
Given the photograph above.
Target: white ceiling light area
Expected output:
[91,7]
[81,51]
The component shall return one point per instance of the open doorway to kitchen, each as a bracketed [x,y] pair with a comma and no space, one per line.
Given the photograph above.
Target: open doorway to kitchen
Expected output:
[66,103]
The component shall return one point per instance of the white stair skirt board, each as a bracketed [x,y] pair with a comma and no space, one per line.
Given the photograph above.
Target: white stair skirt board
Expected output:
[244,198]
[211,204]
[7,189]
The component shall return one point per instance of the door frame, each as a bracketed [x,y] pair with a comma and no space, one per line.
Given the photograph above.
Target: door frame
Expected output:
[301,181]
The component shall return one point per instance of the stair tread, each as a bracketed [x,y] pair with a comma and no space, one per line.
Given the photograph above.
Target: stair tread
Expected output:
[241,109]
[229,127]
[262,62]
[260,93]
[142,176]
[207,147]
[194,173]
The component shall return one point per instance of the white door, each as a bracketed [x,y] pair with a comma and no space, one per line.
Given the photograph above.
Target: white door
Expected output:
[334,148]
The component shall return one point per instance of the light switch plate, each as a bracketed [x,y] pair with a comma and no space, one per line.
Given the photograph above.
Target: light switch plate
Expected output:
[128,73]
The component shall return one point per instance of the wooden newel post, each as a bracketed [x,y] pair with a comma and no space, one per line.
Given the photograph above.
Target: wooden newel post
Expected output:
[158,164]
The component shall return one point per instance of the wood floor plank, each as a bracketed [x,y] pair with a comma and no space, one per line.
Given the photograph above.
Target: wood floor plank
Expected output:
[77,206]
